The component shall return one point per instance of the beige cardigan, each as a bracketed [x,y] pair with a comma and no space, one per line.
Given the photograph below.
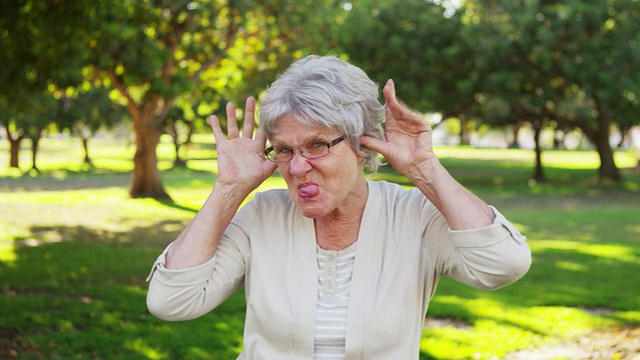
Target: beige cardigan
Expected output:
[403,248]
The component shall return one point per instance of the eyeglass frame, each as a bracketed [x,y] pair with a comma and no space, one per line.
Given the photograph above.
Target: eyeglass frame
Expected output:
[328,144]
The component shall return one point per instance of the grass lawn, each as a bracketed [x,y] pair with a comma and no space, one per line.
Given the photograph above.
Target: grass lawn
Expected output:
[75,252]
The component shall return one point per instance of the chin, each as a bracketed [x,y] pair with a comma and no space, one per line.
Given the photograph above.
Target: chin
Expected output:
[312,213]
[314,210]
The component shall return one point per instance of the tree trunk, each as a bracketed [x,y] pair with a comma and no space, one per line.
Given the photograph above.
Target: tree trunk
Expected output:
[608,169]
[14,148]
[34,153]
[538,172]
[188,141]
[464,130]
[516,130]
[85,146]
[35,141]
[145,177]
[173,132]
[178,161]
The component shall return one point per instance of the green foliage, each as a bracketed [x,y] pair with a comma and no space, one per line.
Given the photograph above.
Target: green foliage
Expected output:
[569,65]
[503,62]
[40,44]
[416,45]
[86,111]
[161,46]
[75,251]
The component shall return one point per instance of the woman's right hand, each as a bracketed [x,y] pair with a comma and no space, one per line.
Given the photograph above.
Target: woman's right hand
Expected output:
[242,166]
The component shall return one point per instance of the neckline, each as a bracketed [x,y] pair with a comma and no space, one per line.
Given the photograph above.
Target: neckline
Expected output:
[346,251]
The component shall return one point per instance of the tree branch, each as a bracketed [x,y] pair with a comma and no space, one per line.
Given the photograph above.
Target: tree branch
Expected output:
[131,104]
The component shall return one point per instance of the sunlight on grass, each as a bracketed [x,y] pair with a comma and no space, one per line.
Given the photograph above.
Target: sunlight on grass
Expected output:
[631,316]
[465,152]
[572,266]
[139,346]
[609,251]
[584,159]
[7,250]
[550,158]
[547,320]
[499,329]
[75,251]
[486,341]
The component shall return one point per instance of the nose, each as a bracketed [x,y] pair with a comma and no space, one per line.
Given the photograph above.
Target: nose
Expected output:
[299,165]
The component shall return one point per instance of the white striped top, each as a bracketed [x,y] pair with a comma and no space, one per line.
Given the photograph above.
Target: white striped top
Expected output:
[334,282]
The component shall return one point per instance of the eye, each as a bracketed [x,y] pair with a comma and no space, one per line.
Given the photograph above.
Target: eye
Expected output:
[283,150]
[318,145]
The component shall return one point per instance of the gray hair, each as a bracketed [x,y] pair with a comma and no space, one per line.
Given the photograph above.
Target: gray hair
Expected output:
[329,92]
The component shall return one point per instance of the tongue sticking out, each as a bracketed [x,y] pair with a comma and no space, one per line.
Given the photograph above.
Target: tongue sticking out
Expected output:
[309,191]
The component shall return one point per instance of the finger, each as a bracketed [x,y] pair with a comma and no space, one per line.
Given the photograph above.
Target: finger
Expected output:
[261,137]
[388,115]
[249,118]
[389,92]
[232,124]
[215,126]
[396,109]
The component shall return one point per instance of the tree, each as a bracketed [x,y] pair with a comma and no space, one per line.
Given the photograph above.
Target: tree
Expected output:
[40,46]
[176,124]
[569,64]
[413,42]
[29,120]
[154,51]
[515,67]
[601,66]
[86,110]
[9,120]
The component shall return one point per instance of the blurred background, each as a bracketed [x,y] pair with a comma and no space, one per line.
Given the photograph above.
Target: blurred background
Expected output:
[106,154]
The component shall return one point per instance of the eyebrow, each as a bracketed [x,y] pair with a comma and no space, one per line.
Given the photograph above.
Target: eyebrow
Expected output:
[318,137]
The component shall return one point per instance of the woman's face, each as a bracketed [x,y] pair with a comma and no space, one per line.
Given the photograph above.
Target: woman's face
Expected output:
[324,186]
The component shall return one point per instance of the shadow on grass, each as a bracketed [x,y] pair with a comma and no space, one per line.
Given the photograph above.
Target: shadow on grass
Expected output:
[79,293]
[83,297]
[173,205]
[98,178]
[64,179]
[160,233]
[587,277]
[503,176]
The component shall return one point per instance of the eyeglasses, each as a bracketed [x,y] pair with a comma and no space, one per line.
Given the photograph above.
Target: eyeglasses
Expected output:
[311,150]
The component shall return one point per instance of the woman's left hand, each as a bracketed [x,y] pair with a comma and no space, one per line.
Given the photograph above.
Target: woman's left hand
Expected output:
[408,146]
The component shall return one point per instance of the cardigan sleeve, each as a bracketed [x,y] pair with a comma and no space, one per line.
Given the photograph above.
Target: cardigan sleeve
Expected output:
[184,294]
[486,258]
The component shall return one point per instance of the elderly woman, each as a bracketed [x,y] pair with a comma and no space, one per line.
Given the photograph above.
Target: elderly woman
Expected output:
[336,266]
